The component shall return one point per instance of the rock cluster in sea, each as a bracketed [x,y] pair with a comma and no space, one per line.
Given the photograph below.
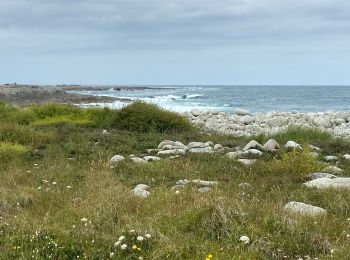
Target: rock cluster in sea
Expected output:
[245,123]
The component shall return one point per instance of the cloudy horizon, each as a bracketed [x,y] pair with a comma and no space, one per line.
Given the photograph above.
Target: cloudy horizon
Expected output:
[175,42]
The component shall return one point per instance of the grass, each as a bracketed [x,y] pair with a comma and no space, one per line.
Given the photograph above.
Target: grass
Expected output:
[55,175]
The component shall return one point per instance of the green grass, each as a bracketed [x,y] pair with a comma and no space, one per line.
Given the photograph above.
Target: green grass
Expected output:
[38,210]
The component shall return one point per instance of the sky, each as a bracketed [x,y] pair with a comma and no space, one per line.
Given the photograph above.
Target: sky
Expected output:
[155,42]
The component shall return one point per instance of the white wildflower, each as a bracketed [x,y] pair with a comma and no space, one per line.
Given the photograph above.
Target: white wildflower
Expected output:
[54,183]
[140,258]
[139,238]
[111,255]
[177,192]
[39,188]
[148,236]
[132,231]
[69,187]
[84,220]
[123,246]
[117,243]
[244,239]
[121,238]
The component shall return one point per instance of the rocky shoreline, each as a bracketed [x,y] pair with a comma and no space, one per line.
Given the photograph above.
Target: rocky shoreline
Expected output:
[245,123]
[24,95]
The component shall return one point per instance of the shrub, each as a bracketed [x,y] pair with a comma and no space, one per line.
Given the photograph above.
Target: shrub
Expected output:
[142,117]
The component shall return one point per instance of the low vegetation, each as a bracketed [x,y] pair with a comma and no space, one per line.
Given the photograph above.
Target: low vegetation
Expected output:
[60,198]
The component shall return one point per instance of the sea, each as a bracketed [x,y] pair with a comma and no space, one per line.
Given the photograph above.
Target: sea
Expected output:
[229,98]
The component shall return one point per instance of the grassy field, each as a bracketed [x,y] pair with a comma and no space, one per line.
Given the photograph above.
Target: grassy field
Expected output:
[61,199]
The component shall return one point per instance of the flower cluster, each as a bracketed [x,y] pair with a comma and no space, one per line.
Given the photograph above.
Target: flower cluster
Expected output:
[209,257]
[131,245]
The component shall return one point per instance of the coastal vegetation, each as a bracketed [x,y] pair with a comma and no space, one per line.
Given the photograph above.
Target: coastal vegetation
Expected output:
[62,198]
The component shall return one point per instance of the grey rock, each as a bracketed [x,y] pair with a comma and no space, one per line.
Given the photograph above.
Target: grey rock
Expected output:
[151,158]
[346,157]
[332,169]
[117,158]
[318,175]
[172,152]
[252,145]
[253,152]
[271,145]
[219,146]
[138,160]
[326,183]
[182,182]
[304,209]
[197,145]
[209,143]
[141,193]
[242,112]
[204,189]
[314,148]
[142,186]
[234,155]
[329,158]
[292,145]
[245,120]
[177,187]
[166,142]
[202,150]
[205,183]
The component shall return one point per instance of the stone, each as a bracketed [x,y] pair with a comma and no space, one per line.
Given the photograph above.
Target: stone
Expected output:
[209,143]
[253,152]
[141,193]
[332,169]
[205,183]
[242,112]
[166,142]
[304,209]
[138,160]
[292,145]
[204,189]
[142,186]
[314,154]
[234,155]
[172,152]
[318,175]
[117,158]
[197,145]
[246,161]
[151,158]
[327,183]
[183,182]
[252,145]
[346,157]
[245,120]
[329,158]
[323,122]
[217,147]
[271,145]
[180,145]
[202,150]
[314,148]
[196,112]
[169,147]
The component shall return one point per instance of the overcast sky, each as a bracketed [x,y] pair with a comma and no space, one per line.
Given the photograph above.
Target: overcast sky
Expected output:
[175,42]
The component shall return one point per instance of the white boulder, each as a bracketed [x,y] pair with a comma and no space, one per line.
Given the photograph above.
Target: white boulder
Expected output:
[242,112]
[117,158]
[252,145]
[292,145]
[326,183]
[271,145]
[304,209]
[253,152]
[151,158]
[138,160]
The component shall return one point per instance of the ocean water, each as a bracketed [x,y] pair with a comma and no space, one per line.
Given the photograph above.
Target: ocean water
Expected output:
[228,98]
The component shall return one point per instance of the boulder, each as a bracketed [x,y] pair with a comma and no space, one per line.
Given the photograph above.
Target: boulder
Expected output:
[183,182]
[252,145]
[117,158]
[327,183]
[180,145]
[234,155]
[138,160]
[172,152]
[141,190]
[142,186]
[197,145]
[204,189]
[151,158]
[177,187]
[253,152]
[329,158]
[246,120]
[346,157]
[314,154]
[242,112]
[271,145]
[314,148]
[332,169]
[166,142]
[202,150]
[217,147]
[304,209]
[205,183]
[292,145]
[318,175]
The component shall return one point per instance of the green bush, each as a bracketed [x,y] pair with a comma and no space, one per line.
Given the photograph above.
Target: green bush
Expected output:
[142,117]
[11,114]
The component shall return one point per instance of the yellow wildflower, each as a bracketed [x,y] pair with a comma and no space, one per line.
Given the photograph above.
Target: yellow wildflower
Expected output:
[134,247]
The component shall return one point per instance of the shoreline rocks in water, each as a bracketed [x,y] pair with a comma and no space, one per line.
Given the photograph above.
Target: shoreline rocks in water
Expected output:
[247,124]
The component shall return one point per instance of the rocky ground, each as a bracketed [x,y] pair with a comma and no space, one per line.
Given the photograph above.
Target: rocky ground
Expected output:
[245,123]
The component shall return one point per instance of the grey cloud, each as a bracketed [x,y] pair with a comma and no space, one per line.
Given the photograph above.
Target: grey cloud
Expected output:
[91,25]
